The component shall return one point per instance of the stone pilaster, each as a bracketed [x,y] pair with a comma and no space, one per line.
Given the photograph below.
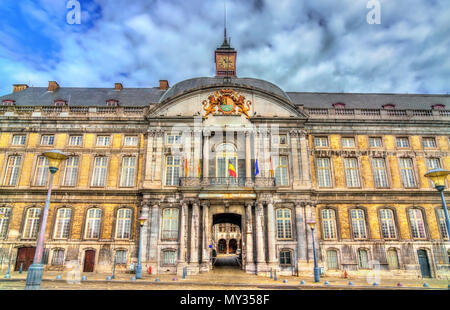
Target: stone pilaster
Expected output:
[156,181]
[153,244]
[148,160]
[205,238]
[257,152]
[272,259]
[249,264]
[206,149]
[294,151]
[266,139]
[306,180]
[195,234]
[145,211]
[248,160]
[301,227]
[261,266]
[182,239]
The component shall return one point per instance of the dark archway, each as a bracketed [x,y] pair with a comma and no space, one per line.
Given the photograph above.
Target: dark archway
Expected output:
[232,218]
[227,247]
[222,246]
[232,247]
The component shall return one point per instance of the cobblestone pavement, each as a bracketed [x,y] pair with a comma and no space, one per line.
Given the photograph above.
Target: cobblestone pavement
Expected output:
[220,278]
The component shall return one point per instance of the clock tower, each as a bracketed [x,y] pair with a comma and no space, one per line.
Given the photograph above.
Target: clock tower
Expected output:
[225,59]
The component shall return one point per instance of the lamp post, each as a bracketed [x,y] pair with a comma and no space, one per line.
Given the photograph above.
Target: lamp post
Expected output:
[438,176]
[142,220]
[36,270]
[311,225]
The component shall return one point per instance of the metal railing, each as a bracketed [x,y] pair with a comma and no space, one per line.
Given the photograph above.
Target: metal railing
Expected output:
[227,182]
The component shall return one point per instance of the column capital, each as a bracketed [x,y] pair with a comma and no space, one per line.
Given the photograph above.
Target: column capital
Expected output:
[206,133]
[205,204]
[145,203]
[249,203]
[303,133]
[294,133]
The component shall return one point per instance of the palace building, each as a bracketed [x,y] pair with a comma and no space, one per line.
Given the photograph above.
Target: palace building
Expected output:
[225,150]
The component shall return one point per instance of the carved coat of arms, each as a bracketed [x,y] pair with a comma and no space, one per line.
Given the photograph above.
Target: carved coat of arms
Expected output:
[226,101]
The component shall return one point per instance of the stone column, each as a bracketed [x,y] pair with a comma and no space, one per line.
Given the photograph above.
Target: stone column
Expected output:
[205,241]
[197,149]
[267,154]
[145,211]
[250,264]
[257,151]
[148,159]
[159,156]
[310,215]
[153,244]
[194,234]
[182,237]
[187,154]
[248,160]
[260,248]
[294,152]
[301,227]
[206,148]
[271,234]
[304,159]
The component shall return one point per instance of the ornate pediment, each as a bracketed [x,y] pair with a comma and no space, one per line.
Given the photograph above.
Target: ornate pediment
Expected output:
[226,102]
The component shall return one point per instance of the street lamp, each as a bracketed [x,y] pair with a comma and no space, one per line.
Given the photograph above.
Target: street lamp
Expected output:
[36,270]
[438,176]
[311,225]
[142,220]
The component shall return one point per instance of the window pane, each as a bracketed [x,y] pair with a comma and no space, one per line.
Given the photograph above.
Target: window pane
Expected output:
[351,172]
[442,223]
[332,262]
[62,225]
[99,173]
[348,142]
[407,172]
[387,224]
[392,259]
[358,224]
[71,171]
[12,170]
[93,222]
[19,139]
[58,257]
[329,224]
[417,224]
[363,261]
[284,228]
[5,214]
[324,172]
[75,140]
[379,172]
[128,171]
[41,171]
[170,223]
[32,223]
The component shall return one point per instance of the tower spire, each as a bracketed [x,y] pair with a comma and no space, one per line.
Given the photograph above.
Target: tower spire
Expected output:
[225,41]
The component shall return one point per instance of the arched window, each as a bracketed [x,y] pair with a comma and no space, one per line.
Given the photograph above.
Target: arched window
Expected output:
[225,155]
[284,223]
[62,225]
[58,257]
[358,224]
[392,258]
[442,223]
[417,224]
[387,224]
[332,259]
[329,224]
[170,223]
[363,259]
[168,257]
[5,215]
[286,257]
[123,226]
[93,222]
[32,223]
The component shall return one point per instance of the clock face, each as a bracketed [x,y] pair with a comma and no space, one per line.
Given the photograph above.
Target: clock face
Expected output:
[225,62]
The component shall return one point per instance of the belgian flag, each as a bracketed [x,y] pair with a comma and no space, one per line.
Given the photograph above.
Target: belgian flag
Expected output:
[231,170]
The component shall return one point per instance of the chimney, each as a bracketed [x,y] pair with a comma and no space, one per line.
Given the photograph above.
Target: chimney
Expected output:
[163,84]
[52,86]
[118,86]
[19,87]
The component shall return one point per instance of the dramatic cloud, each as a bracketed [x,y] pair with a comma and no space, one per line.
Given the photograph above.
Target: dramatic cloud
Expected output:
[314,46]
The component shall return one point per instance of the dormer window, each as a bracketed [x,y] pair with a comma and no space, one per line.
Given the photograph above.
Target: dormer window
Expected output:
[8,102]
[388,106]
[60,103]
[438,106]
[112,103]
[339,105]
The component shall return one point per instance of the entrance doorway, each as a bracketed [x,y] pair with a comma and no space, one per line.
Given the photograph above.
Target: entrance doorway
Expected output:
[226,240]
[25,258]
[424,264]
[89,261]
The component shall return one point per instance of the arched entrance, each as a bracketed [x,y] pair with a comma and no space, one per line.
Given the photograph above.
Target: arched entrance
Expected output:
[226,236]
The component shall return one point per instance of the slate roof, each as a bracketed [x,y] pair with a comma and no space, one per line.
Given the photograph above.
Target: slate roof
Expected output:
[39,96]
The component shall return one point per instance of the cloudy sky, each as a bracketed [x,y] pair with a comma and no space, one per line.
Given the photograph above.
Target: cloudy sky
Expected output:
[312,46]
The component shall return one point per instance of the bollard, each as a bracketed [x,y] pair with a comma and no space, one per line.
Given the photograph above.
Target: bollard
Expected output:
[157,280]
[399,284]
[175,279]
[58,277]
[326,283]
[275,275]
[285,281]
[271,273]
[426,285]
[133,278]
[350,283]
[184,272]
[21,268]
[108,278]
[302,282]
[8,275]
[375,284]
[83,278]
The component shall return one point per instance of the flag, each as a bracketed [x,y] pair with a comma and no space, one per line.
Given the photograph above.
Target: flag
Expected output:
[271,167]
[231,170]
[199,168]
[186,169]
[256,168]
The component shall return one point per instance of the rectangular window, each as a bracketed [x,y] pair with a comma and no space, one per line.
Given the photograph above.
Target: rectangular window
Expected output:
[12,170]
[442,224]
[71,171]
[285,258]
[281,170]
[103,140]
[170,223]
[121,257]
[169,257]
[407,172]
[363,259]
[99,173]
[130,141]
[47,139]
[379,172]
[402,142]
[75,140]
[348,142]
[173,139]
[62,225]
[41,175]
[351,172]
[324,172]
[321,141]
[172,170]
[332,262]
[429,142]
[417,224]
[19,139]
[32,223]
[58,257]
[375,142]
[128,171]
[433,163]
[5,214]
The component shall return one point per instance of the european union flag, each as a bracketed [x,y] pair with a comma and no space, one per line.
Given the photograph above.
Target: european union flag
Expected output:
[256,168]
